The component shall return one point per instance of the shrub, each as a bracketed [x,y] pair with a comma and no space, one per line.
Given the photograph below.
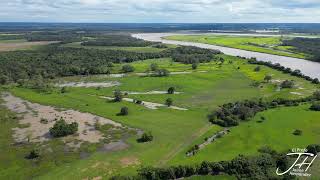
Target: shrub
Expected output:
[33,154]
[162,72]
[297,132]
[257,69]
[145,137]
[63,90]
[315,81]
[127,68]
[123,112]
[169,102]
[171,90]
[118,96]
[154,67]
[287,84]
[61,128]
[313,148]
[316,95]
[43,121]
[315,107]
[194,66]
[268,78]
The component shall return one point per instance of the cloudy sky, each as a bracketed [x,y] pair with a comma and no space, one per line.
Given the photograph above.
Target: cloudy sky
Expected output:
[146,11]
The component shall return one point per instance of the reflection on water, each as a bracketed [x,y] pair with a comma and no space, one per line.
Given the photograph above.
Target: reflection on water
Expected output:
[309,68]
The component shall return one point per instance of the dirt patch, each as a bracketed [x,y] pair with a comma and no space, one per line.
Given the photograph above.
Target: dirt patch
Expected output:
[149,92]
[114,146]
[22,45]
[150,105]
[34,115]
[89,84]
[296,93]
[129,161]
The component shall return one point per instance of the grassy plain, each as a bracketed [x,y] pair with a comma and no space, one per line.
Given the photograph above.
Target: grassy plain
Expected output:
[269,45]
[204,89]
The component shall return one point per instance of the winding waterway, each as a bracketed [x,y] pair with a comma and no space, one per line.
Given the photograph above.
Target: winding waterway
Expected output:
[309,68]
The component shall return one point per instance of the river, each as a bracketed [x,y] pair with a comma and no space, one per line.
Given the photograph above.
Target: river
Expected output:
[309,68]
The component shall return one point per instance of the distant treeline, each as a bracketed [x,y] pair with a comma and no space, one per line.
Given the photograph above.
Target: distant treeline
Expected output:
[117,40]
[11,37]
[64,36]
[309,46]
[261,166]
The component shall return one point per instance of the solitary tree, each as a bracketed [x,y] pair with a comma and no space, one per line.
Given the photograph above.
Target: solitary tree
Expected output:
[124,111]
[127,68]
[257,69]
[194,66]
[63,90]
[169,102]
[268,78]
[154,67]
[117,95]
[171,90]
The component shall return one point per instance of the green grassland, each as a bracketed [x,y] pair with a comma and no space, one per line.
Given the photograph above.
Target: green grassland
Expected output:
[269,45]
[175,131]
[148,49]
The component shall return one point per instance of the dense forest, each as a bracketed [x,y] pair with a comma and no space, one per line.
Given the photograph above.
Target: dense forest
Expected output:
[64,36]
[309,46]
[191,55]
[56,61]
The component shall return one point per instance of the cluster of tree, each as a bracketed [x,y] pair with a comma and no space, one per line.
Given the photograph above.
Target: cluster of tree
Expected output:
[242,167]
[33,154]
[309,46]
[61,128]
[127,68]
[315,107]
[277,66]
[171,90]
[145,137]
[232,113]
[192,55]
[287,84]
[59,61]
[117,40]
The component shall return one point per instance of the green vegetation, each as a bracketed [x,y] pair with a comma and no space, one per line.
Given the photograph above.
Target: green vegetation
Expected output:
[270,45]
[61,128]
[217,80]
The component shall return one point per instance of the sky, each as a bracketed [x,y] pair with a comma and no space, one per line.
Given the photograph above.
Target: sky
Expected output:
[161,11]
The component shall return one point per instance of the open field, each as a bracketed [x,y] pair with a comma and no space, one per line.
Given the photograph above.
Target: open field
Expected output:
[13,45]
[174,131]
[269,45]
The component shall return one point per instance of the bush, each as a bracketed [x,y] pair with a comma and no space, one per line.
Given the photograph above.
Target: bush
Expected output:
[313,148]
[61,128]
[171,90]
[297,132]
[123,112]
[145,137]
[33,154]
[154,67]
[118,96]
[162,72]
[127,68]
[316,95]
[268,78]
[169,102]
[315,81]
[63,90]
[287,84]
[315,107]
[257,69]
[194,66]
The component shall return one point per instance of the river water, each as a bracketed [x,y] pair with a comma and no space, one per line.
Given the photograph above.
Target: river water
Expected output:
[309,68]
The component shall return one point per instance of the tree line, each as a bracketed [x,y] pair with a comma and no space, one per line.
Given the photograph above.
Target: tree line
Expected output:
[261,166]
[118,40]
[231,114]
[309,46]
[193,55]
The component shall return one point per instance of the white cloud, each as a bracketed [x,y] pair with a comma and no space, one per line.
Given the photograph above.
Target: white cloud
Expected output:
[161,10]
